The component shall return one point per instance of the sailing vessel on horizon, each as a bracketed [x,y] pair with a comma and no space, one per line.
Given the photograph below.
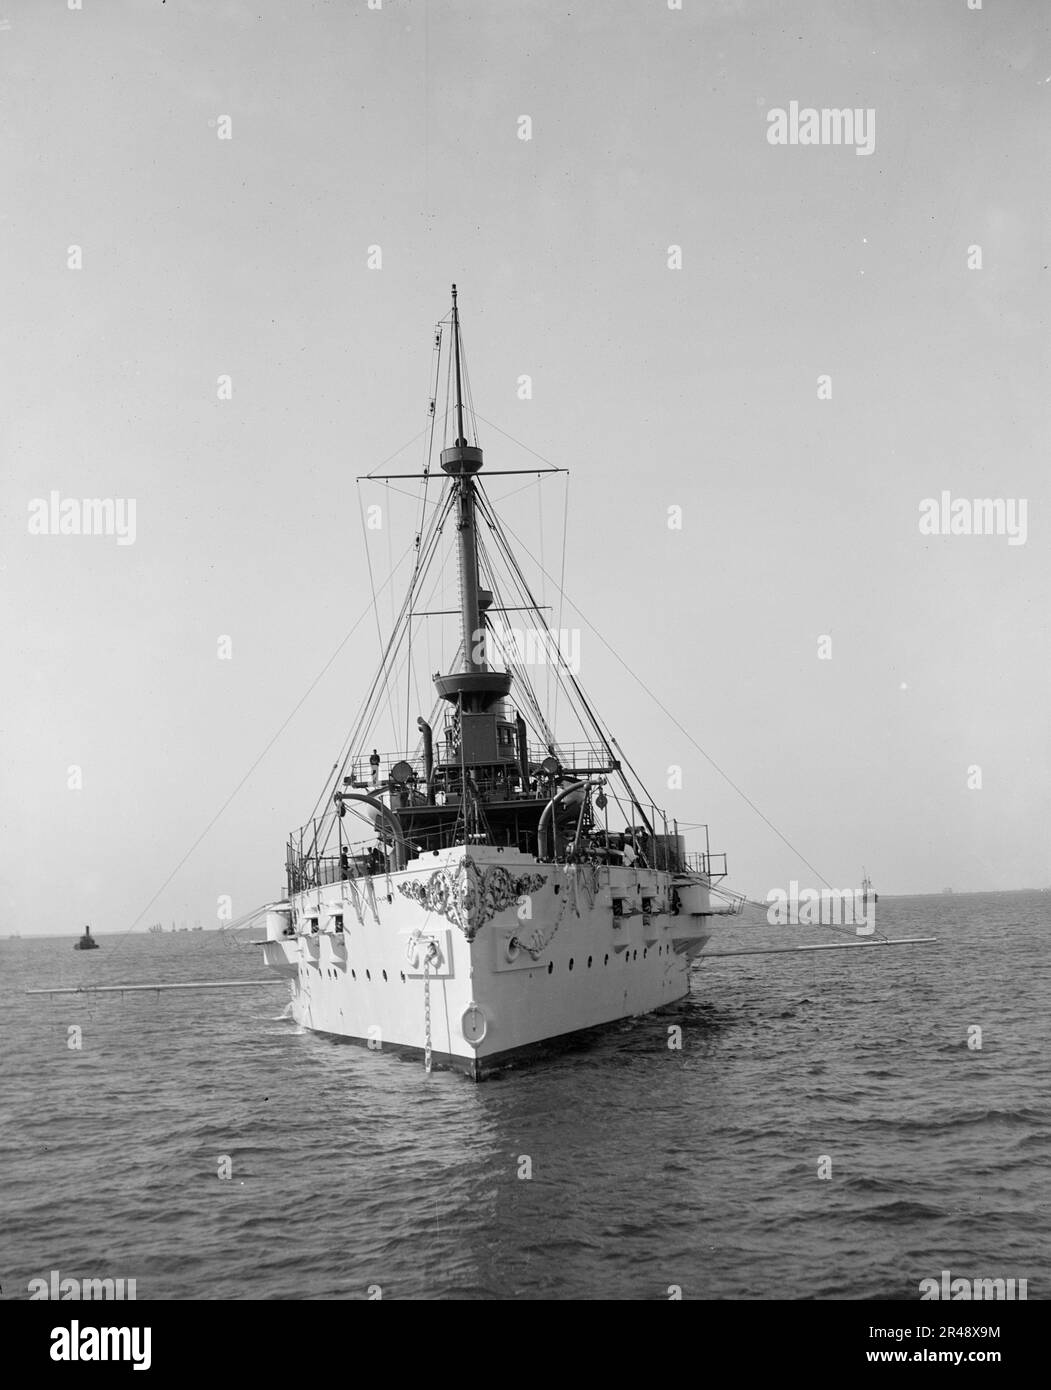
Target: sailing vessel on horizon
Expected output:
[469,899]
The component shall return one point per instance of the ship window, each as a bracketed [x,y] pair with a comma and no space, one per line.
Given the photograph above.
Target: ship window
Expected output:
[384,974]
[368,974]
[644,953]
[550,966]
[402,973]
[353,974]
[589,962]
[571,962]
[634,956]
[605,960]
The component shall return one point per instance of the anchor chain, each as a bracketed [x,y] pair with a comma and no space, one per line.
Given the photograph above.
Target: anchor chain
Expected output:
[427,1013]
[537,944]
[431,957]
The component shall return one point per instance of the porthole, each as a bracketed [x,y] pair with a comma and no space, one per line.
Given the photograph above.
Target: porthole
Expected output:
[634,955]
[589,962]
[571,962]
[550,966]
[605,960]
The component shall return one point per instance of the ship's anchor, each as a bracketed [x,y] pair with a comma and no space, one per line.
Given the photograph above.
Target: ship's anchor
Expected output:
[432,957]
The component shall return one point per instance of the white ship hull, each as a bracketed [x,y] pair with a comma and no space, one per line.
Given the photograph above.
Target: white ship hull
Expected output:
[476,957]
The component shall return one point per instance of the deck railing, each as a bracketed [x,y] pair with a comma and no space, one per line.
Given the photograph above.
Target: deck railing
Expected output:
[333,847]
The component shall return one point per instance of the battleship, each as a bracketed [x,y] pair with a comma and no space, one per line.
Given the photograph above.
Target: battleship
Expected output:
[492,890]
[497,890]
[87,942]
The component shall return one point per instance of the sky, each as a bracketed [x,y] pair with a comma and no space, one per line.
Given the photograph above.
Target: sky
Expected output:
[796,344]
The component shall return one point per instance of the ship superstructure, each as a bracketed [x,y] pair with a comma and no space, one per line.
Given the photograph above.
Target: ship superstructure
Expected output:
[490,889]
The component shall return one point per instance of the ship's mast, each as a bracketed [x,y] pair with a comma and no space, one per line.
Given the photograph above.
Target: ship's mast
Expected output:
[459,392]
[474,689]
[462,461]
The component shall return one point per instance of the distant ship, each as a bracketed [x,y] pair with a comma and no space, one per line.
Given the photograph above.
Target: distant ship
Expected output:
[502,887]
[87,942]
[948,890]
[867,893]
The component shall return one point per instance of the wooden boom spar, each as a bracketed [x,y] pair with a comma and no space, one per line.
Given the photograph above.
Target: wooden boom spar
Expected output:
[821,946]
[130,989]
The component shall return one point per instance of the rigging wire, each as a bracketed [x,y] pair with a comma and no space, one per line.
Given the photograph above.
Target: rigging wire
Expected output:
[363,720]
[525,692]
[561,589]
[512,561]
[428,455]
[509,556]
[552,466]
[372,586]
[726,778]
[280,730]
[543,591]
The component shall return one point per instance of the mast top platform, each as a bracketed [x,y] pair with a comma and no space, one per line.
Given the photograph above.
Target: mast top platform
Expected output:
[461,458]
